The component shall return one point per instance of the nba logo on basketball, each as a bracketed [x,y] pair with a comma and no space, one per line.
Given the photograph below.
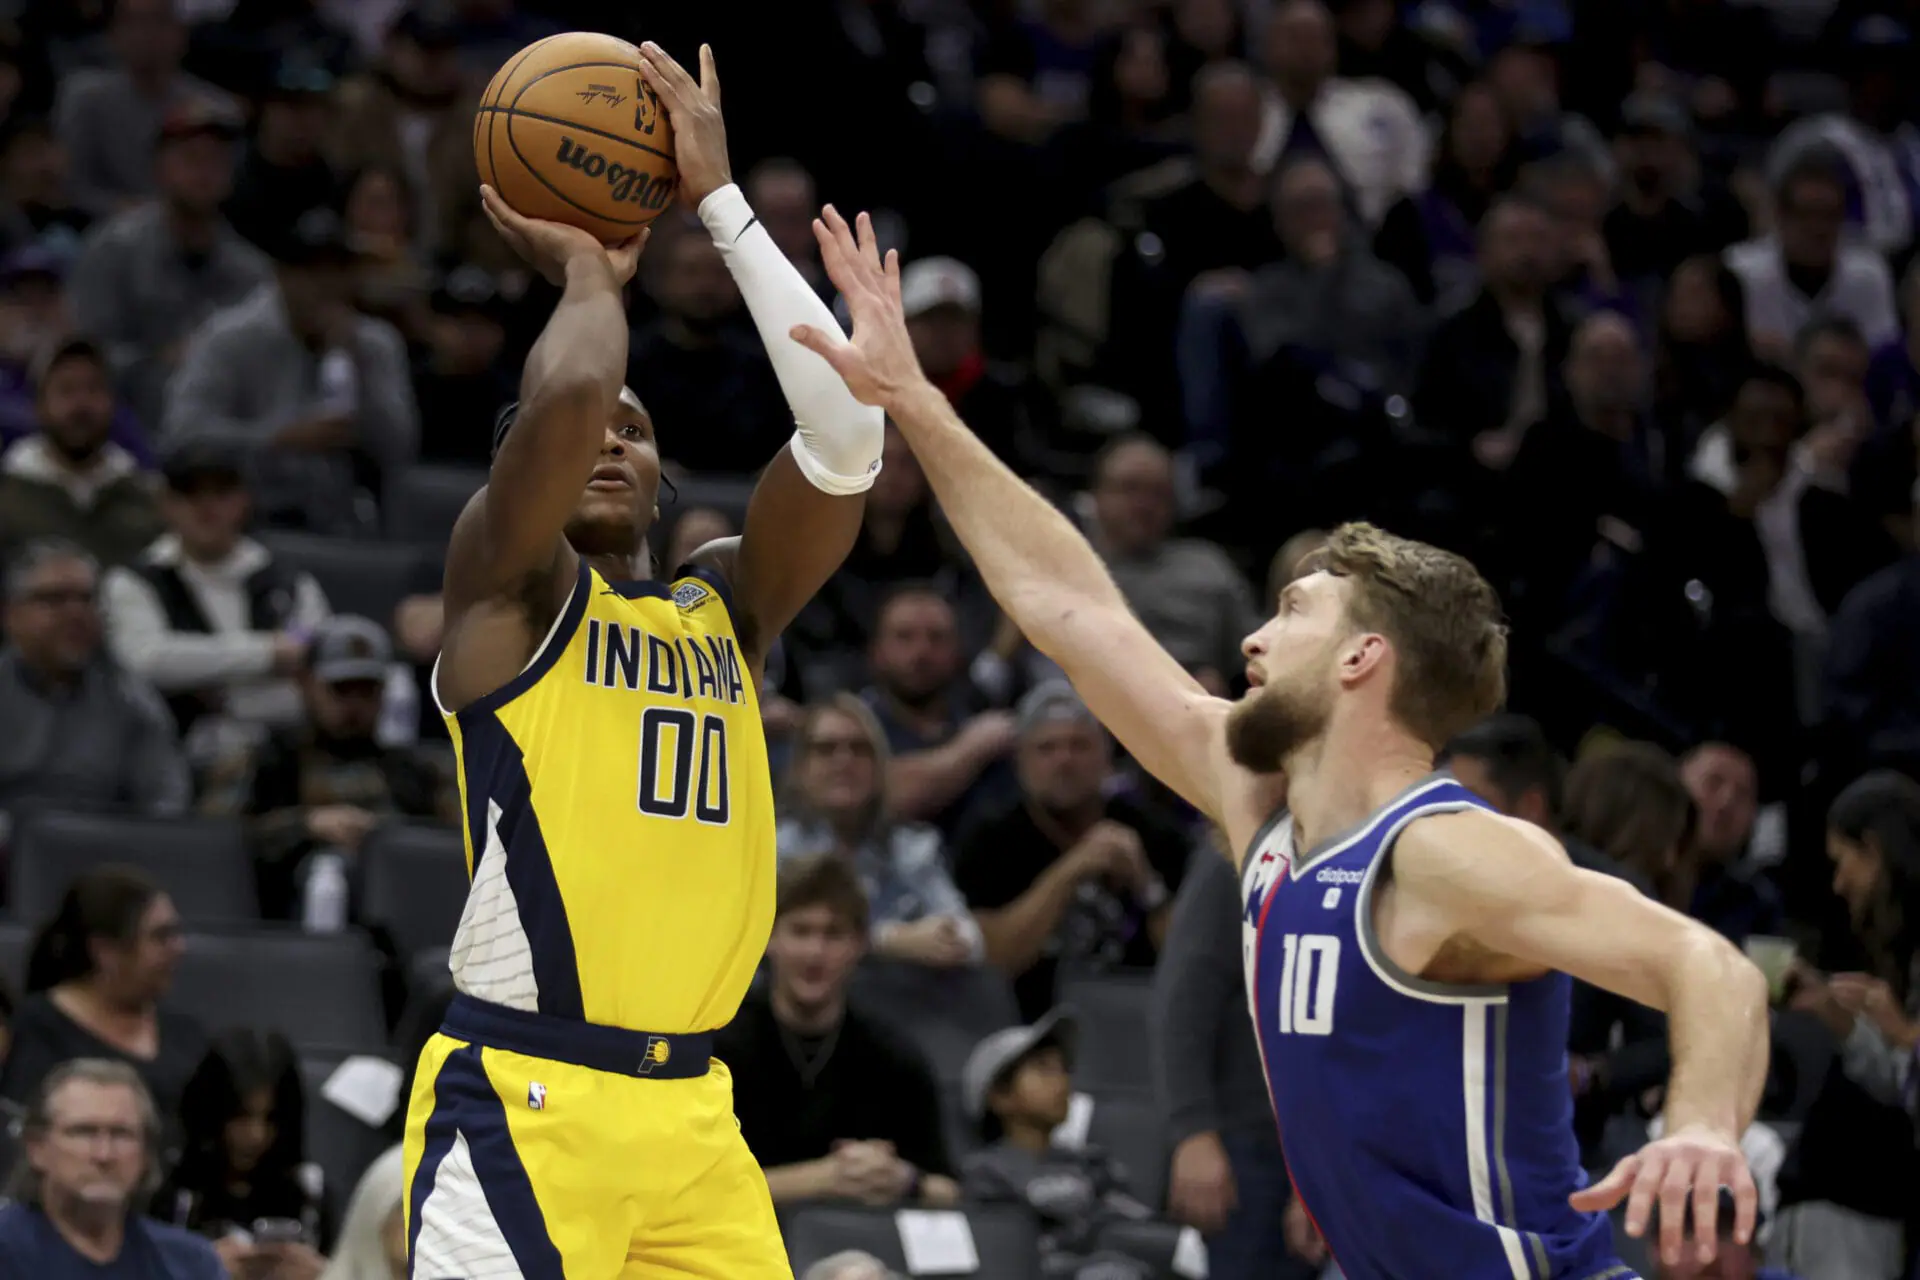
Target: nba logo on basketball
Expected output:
[658,1051]
[537,1096]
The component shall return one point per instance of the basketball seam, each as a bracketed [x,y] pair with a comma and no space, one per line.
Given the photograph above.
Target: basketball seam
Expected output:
[583,128]
[571,203]
[505,77]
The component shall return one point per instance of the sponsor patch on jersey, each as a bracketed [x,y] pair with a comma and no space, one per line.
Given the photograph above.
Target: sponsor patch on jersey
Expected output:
[690,595]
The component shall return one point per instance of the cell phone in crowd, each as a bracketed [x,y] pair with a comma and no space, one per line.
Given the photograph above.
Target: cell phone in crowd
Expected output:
[278,1231]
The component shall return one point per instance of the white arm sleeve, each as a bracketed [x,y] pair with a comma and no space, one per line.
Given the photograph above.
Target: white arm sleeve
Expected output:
[837,440]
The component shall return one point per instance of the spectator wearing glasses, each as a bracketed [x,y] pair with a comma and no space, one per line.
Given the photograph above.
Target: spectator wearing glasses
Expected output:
[96,976]
[836,803]
[78,732]
[92,1146]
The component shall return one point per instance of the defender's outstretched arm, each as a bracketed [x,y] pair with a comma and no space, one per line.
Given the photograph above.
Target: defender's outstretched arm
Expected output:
[1038,566]
[806,510]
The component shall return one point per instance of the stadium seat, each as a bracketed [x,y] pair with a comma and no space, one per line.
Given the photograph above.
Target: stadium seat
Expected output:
[202,863]
[367,578]
[422,502]
[413,885]
[1134,1132]
[1007,1240]
[946,1012]
[342,1145]
[1149,1243]
[1112,1052]
[317,990]
[15,939]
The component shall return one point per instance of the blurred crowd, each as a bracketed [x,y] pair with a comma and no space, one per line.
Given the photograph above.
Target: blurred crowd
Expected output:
[1621,298]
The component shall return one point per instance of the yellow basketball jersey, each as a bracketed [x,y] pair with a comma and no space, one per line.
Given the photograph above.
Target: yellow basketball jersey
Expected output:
[619,816]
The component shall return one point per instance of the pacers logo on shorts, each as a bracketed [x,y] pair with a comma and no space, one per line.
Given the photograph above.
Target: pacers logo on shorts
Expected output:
[658,1051]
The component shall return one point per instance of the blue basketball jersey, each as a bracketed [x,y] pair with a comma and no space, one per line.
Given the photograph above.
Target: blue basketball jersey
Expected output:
[1428,1127]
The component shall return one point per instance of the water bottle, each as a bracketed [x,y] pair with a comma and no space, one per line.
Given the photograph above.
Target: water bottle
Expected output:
[325,909]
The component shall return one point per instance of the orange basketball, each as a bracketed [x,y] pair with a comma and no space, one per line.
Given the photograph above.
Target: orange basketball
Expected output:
[569,132]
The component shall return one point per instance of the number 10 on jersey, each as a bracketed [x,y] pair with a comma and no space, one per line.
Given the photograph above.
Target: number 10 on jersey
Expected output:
[1309,969]
[670,739]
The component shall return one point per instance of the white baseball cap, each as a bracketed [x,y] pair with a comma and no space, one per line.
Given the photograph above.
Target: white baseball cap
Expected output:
[939,282]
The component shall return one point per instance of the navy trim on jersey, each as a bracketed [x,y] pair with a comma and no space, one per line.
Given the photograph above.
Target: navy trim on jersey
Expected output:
[555,644]
[645,1055]
[466,1105]
[640,589]
[496,778]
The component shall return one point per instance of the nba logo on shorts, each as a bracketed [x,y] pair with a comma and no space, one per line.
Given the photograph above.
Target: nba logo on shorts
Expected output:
[537,1096]
[658,1051]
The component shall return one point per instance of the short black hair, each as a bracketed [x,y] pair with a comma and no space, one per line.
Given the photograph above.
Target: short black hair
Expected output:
[66,351]
[1125,440]
[1517,756]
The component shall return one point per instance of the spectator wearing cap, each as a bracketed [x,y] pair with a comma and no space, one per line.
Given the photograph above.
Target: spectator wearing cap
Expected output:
[282,172]
[1185,590]
[704,376]
[1066,879]
[1665,211]
[1805,269]
[325,784]
[79,733]
[942,301]
[312,391]
[835,802]
[1017,1088]
[70,480]
[148,277]
[460,380]
[414,112]
[208,616]
[34,202]
[33,310]
[832,1104]
[109,117]
[1228,1178]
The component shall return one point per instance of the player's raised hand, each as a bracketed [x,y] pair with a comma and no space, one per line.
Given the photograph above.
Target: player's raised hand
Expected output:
[1693,1163]
[548,247]
[879,362]
[699,130]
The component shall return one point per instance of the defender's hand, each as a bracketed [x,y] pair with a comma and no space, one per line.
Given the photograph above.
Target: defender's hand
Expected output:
[550,247]
[879,364]
[1694,1162]
[699,132]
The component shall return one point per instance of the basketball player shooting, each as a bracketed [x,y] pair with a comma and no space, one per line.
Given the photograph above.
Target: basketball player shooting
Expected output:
[1406,947]
[567,1120]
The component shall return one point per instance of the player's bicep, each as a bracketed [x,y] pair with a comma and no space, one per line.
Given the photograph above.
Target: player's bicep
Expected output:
[1158,711]
[793,538]
[1509,888]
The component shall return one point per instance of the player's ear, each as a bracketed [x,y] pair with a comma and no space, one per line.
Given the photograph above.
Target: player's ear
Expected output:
[1362,652]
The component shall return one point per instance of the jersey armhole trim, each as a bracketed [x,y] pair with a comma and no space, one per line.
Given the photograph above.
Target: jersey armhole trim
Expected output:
[1396,978]
[559,635]
[721,587]
[1260,837]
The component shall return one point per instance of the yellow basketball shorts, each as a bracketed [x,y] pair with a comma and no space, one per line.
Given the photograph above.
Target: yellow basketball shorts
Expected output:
[544,1149]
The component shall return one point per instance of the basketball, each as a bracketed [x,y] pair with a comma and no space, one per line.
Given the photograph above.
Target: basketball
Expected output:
[569,132]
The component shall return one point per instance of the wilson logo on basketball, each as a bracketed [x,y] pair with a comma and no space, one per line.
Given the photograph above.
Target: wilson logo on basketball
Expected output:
[628,186]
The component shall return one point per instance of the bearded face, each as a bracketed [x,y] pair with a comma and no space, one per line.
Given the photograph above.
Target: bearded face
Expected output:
[1281,716]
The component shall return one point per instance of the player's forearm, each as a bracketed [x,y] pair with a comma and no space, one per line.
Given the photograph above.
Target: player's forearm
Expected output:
[1035,562]
[1717,1020]
[838,440]
[582,353]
